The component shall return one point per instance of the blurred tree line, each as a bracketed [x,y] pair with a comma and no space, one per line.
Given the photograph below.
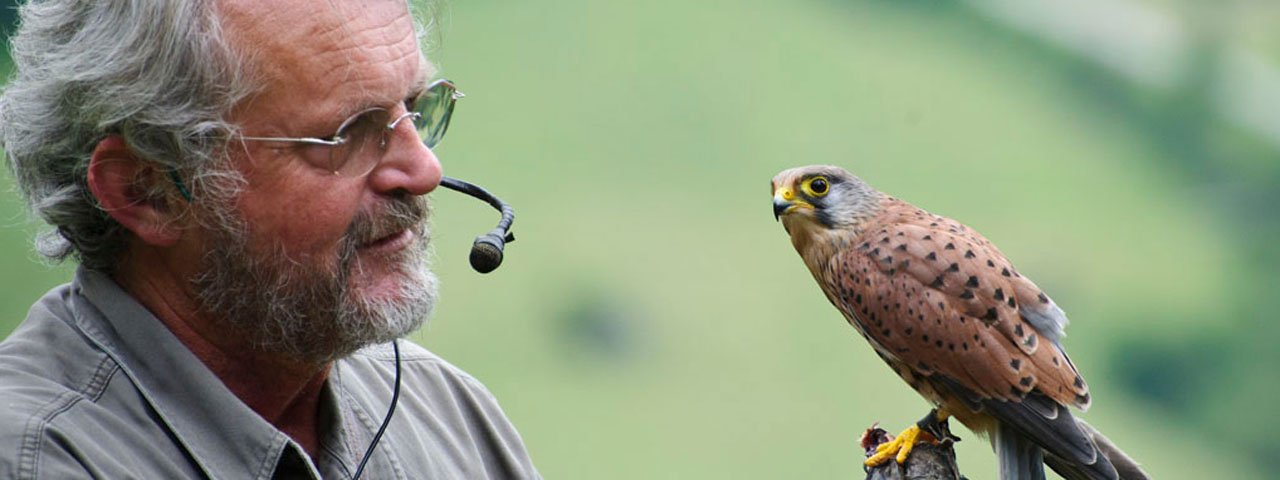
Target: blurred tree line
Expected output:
[1215,380]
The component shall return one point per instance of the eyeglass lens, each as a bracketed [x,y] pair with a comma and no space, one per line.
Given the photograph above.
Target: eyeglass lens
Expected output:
[366,133]
[436,106]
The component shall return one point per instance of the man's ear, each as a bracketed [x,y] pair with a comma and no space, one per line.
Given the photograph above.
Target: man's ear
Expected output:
[116,179]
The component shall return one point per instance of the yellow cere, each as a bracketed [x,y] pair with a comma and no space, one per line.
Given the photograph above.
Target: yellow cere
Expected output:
[786,193]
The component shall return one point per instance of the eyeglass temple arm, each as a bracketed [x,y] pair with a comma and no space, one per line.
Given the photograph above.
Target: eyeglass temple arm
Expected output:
[310,140]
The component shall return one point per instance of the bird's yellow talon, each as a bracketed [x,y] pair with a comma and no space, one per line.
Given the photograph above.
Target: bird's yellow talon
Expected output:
[898,449]
[877,459]
[908,437]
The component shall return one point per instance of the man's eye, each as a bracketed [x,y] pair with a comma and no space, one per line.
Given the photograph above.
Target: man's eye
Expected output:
[371,120]
[411,103]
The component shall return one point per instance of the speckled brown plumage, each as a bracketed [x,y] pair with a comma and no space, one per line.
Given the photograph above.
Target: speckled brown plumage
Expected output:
[944,308]
[939,297]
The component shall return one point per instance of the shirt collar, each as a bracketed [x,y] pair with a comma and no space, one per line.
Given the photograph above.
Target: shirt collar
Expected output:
[224,436]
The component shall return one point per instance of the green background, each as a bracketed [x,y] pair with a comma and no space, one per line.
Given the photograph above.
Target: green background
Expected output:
[653,321]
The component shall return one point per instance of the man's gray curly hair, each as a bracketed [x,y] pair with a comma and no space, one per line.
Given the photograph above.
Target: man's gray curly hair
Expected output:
[158,73]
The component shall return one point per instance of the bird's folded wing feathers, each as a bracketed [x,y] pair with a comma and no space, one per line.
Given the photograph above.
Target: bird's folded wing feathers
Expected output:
[941,298]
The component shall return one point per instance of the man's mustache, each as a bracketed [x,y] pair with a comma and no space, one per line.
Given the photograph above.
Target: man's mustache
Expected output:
[391,217]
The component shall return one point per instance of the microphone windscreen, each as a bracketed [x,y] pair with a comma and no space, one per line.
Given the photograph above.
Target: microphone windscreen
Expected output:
[486,254]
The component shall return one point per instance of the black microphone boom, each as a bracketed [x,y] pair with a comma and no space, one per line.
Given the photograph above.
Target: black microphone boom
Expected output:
[486,251]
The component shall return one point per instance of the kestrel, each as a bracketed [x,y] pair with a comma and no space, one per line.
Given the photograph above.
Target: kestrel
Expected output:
[948,312]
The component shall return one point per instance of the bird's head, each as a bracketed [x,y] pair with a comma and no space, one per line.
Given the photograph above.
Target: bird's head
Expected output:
[822,197]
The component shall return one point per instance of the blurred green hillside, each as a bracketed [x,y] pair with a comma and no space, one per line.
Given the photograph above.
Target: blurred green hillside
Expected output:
[653,321]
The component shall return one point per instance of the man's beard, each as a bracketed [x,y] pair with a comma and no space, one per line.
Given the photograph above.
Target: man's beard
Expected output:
[306,308]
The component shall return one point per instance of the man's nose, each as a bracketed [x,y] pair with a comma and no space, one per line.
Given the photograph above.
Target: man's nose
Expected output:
[407,164]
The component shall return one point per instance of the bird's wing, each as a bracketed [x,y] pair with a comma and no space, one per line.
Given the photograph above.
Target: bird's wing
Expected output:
[943,301]
[940,298]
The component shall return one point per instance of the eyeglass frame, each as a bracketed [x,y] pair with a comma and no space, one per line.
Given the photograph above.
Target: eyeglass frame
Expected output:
[431,139]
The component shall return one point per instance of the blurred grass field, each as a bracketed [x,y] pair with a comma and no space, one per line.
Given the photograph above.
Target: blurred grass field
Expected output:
[653,321]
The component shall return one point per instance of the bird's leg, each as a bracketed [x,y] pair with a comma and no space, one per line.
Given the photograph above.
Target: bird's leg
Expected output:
[933,426]
[936,424]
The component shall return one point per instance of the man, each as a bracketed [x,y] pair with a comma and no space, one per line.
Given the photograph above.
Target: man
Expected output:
[243,186]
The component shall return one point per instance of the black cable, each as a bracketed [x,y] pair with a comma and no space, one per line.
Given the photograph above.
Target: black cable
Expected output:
[395,396]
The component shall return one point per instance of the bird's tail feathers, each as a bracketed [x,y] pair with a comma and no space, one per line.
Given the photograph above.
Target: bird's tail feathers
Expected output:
[1020,458]
[1110,459]
[1068,470]
[1125,466]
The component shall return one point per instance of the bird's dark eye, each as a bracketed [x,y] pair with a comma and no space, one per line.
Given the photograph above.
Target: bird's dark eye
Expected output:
[818,186]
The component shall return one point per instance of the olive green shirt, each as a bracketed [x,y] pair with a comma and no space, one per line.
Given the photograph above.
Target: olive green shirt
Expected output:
[92,385]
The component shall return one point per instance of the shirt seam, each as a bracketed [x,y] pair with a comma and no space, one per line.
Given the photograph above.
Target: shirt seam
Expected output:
[451,370]
[419,358]
[368,422]
[33,436]
[101,377]
[331,453]
[268,464]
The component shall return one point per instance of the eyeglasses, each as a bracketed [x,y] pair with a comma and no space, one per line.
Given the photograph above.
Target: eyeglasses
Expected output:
[358,145]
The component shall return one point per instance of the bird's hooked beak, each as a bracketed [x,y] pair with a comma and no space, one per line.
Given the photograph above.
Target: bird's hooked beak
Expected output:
[781,207]
[785,202]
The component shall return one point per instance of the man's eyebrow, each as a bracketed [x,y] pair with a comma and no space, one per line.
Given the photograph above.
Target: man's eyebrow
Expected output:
[416,90]
[374,101]
[423,79]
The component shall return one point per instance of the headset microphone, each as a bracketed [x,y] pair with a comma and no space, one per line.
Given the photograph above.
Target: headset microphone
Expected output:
[486,251]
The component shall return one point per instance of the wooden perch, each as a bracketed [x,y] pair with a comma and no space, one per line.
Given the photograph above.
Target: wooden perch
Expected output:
[929,459]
